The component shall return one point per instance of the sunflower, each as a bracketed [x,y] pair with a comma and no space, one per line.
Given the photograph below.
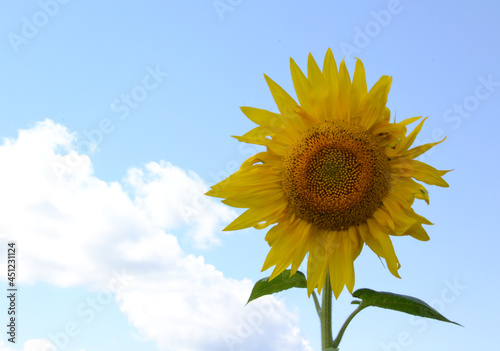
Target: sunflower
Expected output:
[336,175]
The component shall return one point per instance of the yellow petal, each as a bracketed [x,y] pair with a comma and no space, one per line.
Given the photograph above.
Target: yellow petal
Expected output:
[253,216]
[302,246]
[257,136]
[420,171]
[263,117]
[344,92]
[419,233]
[419,150]
[359,89]
[302,86]
[285,248]
[377,239]
[374,103]
[330,73]
[352,247]
[384,218]
[337,272]
[254,199]
[317,264]
[416,189]
[286,104]
[408,141]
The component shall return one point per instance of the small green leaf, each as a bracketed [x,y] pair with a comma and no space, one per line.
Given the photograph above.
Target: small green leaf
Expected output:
[280,283]
[396,302]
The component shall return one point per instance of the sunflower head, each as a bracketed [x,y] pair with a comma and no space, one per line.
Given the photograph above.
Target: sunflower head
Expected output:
[336,175]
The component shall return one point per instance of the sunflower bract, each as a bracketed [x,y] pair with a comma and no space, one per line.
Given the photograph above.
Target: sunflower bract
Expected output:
[336,175]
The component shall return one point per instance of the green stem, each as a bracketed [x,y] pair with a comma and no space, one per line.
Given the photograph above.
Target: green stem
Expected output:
[325,316]
[336,342]
[316,303]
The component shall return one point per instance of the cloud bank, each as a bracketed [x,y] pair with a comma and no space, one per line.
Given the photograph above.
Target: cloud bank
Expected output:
[78,230]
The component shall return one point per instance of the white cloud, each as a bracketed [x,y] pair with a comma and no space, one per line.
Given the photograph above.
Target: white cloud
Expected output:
[194,303]
[75,229]
[172,197]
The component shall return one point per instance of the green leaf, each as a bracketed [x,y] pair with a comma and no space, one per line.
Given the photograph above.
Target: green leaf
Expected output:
[396,302]
[280,283]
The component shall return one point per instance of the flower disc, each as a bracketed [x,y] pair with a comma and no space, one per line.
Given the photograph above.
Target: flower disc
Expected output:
[336,175]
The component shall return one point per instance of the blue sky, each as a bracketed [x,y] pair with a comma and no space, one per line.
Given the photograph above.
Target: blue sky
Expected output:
[116,117]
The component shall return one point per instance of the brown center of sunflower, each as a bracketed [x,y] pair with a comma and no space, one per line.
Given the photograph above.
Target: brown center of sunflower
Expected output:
[336,175]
